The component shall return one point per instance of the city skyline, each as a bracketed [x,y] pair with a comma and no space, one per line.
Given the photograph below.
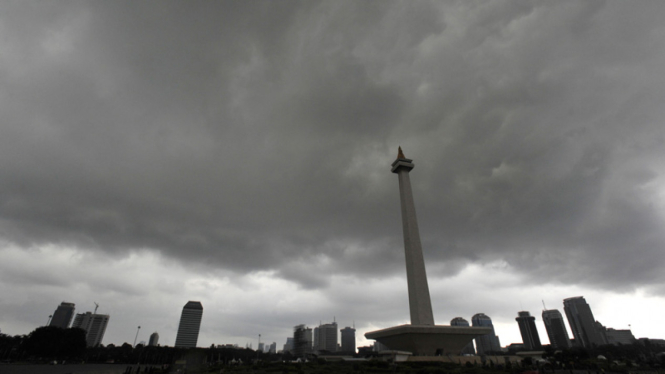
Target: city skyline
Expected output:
[552,322]
[238,153]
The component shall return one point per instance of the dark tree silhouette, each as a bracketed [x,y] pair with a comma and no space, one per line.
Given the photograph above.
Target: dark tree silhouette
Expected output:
[51,342]
[73,343]
[10,347]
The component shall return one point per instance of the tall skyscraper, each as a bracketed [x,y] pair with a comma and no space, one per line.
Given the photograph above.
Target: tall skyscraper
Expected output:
[315,340]
[63,315]
[459,321]
[348,340]
[94,326]
[327,337]
[302,340]
[556,329]
[190,323]
[489,343]
[273,348]
[154,339]
[308,338]
[527,324]
[581,321]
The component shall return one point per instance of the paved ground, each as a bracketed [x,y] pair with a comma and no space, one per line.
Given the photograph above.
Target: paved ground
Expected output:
[64,369]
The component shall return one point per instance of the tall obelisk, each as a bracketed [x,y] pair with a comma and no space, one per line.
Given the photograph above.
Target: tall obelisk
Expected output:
[420,304]
[421,337]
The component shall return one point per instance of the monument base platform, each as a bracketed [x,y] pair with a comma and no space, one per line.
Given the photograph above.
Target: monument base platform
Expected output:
[427,340]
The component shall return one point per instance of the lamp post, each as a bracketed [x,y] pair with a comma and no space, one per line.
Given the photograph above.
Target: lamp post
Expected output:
[49,320]
[137,335]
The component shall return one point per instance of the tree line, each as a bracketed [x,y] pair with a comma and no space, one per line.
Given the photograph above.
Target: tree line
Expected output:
[49,343]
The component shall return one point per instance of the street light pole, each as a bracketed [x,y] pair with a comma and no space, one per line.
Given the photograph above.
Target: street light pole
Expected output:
[137,335]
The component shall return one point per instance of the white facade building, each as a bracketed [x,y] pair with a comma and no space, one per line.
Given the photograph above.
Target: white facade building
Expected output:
[94,326]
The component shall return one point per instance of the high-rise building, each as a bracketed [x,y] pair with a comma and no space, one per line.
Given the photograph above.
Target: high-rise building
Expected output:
[348,340]
[488,343]
[619,337]
[459,321]
[94,326]
[288,346]
[154,339]
[190,323]
[581,321]
[63,315]
[315,340]
[326,337]
[601,331]
[308,338]
[302,341]
[556,329]
[527,324]
[273,348]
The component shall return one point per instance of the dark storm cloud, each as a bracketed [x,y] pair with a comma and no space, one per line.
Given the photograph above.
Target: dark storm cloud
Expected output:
[258,135]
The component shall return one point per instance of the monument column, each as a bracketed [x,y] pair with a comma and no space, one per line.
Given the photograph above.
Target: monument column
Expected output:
[420,304]
[421,337]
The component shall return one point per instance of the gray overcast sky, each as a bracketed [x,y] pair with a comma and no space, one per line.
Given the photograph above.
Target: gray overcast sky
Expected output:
[238,153]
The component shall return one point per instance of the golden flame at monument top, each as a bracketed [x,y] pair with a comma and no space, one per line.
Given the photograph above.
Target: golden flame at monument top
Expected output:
[400,154]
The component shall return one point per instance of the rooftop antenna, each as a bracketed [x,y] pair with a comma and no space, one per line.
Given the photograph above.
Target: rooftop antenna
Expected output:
[96,306]
[545,308]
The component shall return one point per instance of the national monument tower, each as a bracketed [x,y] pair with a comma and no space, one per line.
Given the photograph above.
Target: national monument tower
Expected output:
[420,304]
[422,336]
